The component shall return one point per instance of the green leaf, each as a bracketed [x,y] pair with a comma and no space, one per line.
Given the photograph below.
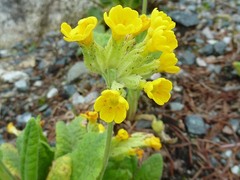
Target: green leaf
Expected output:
[10,159]
[68,136]
[46,155]
[119,170]
[61,169]
[29,151]
[151,168]
[88,157]
[35,153]
[4,173]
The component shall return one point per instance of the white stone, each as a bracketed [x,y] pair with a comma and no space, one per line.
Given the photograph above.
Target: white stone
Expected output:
[52,92]
[38,83]
[235,170]
[13,76]
[201,62]
[207,33]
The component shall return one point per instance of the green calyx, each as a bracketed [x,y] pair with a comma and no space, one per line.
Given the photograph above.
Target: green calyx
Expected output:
[123,62]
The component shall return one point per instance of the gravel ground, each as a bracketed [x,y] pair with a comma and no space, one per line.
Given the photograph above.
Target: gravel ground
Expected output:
[47,77]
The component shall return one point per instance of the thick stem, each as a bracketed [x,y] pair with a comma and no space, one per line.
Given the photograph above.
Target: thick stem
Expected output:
[107,149]
[144,7]
[132,98]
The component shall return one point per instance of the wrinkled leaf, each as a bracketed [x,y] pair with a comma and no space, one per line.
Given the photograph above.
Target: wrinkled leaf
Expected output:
[61,169]
[10,159]
[87,159]
[151,168]
[119,170]
[68,136]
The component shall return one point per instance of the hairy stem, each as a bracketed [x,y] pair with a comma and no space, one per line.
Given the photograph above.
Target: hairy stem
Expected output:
[132,98]
[107,149]
[144,7]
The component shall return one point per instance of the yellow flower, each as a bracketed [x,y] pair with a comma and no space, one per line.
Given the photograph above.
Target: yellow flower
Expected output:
[122,135]
[83,33]
[160,19]
[168,62]
[101,128]
[136,151]
[123,21]
[112,106]
[145,24]
[162,40]
[92,116]
[153,142]
[12,129]
[159,90]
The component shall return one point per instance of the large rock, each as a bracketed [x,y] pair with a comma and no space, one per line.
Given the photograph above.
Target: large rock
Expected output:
[21,19]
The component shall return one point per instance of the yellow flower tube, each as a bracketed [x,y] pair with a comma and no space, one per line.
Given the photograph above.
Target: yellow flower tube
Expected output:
[159,90]
[112,106]
[123,21]
[167,63]
[82,33]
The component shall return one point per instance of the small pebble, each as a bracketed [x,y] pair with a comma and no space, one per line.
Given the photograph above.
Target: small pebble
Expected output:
[52,92]
[176,106]
[22,85]
[23,118]
[13,76]
[38,83]
[195,125]
[77,99]
[236,170]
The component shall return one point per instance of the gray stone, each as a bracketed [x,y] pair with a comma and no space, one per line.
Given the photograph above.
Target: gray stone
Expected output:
[187,58]
[77,99]
[22,19]
[220,48]
[214,68]
[22,85]
[207,50]
[235,124]
[43,108]
[214,161]
[176,106]
[69,90]
[195,125]
[76,71]
[13,76]
[184,18]
[47,112]
[52,92]
[143,124]
[24,118]
[91,96]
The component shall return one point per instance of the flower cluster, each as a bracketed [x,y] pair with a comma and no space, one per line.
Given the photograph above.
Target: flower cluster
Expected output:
[139,46]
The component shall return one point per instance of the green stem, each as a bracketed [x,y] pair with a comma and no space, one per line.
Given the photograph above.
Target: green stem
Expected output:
[107,149]
[144,7]
[132,98]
